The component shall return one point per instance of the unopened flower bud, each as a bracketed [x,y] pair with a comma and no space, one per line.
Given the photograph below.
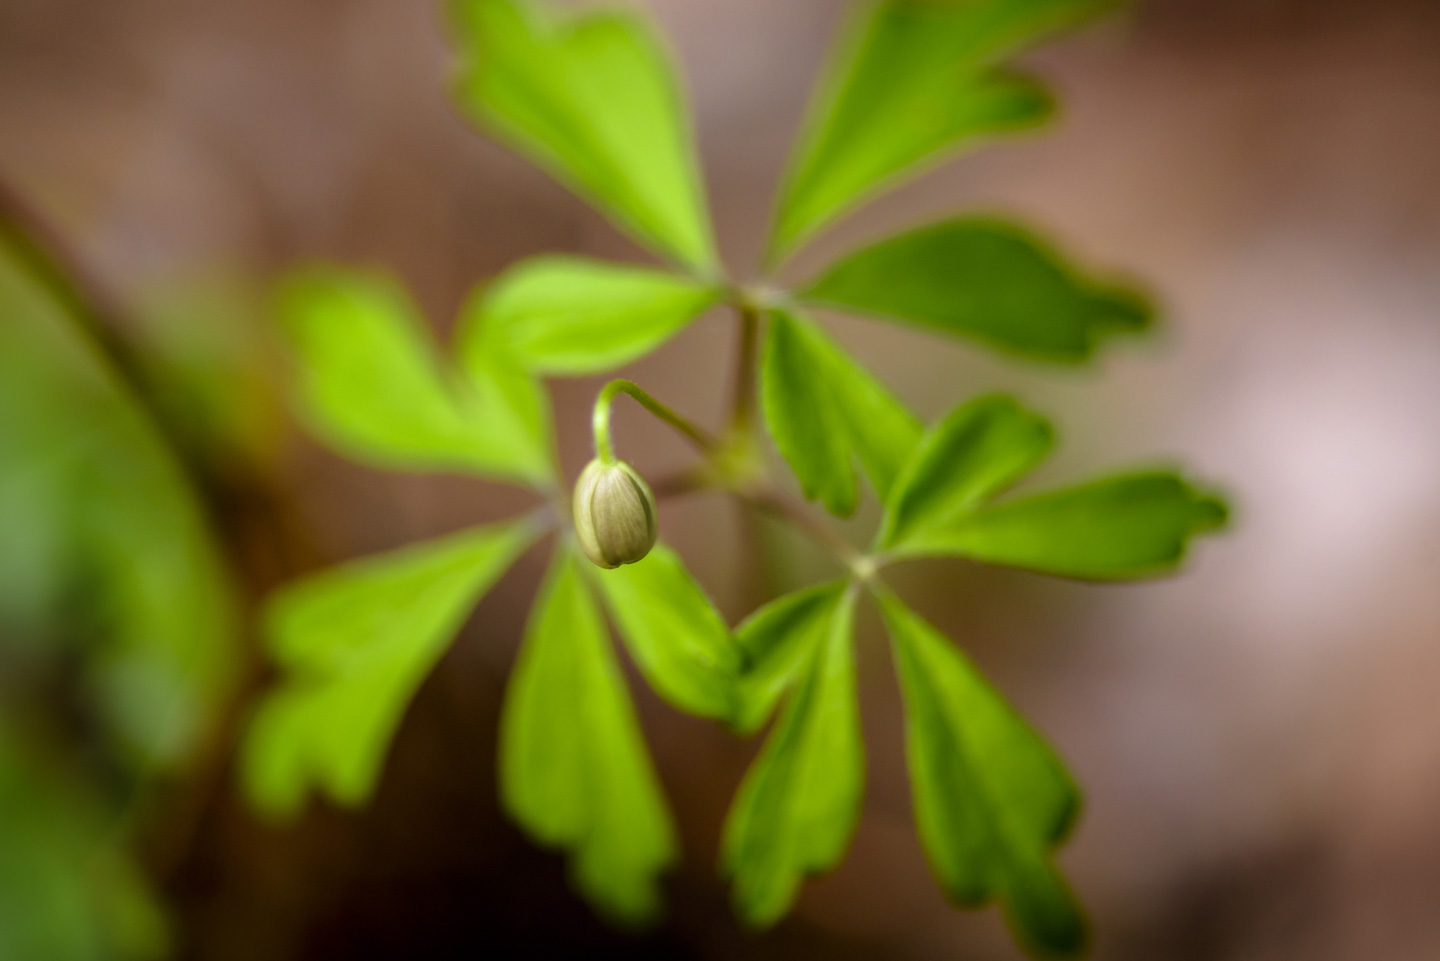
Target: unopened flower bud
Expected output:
[614,514]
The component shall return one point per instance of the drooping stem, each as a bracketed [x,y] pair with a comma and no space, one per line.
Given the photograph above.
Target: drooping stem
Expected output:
[600,420]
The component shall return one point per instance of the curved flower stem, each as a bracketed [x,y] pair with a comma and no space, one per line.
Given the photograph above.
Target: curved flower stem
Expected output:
[600,420]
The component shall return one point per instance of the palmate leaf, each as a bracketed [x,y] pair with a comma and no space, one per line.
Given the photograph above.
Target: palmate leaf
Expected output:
[574,769]
[986,279]
[913,81]
[573,316]
[354,643]
[593,100]
[1118,528]
[991,799]
[677,638]
[824,410]
[372,385]
[798,805]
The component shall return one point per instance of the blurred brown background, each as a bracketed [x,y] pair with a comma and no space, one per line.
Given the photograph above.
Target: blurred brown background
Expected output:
[1259,739]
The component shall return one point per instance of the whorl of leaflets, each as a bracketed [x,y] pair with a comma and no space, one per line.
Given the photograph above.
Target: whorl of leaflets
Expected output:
[591,99]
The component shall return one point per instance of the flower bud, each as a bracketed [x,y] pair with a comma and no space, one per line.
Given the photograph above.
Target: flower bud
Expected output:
[614,514]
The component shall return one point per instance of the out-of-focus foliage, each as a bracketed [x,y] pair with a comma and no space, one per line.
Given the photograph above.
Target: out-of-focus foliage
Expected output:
[354,643]
[374,385]
[67,891]
[105,548]
[569,315]
[117,634]
[593,101]
[210,367]
[913,81]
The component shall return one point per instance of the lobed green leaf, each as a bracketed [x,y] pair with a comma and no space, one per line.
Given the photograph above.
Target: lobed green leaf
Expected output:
[823,410]
[978,450]
[371,384]
[677,638]
[594,102]
[1118,528]
[355,642]
[573,316]
[991,799]
[574,769]
[778,640]
[798,805]
[912,82]
[982,278]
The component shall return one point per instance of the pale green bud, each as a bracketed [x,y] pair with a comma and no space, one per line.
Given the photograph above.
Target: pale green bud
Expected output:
[614,514]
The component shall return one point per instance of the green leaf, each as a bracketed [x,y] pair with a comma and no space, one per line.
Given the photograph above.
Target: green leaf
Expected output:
[355,642]
[992,800]
[594,102]
[978,450]
[985,279]
[107,562]
[1118,528]
[517,405]
[574,769]
[677,638]
[823,409]
[373,387]
[568,315]
[797,807]
[913,81]
[778,641]
[69,888]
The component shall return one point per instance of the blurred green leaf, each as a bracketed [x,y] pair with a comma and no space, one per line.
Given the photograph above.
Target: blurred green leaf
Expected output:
[568,315]
[991,799]
[978,450]
[984,279]
[518,411]
[1118,528]
[677,638]
[372,385]
[797,807]
[574,769]
[823,409]
[105,548]
[68,890]
[355,642]
[778,641]
[912,82]
[592,100]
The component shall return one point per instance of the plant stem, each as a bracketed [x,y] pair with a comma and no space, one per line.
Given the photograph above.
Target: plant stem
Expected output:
[600,420]
[742,413]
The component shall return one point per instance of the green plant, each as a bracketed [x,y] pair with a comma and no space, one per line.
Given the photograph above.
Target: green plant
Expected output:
[592,100]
